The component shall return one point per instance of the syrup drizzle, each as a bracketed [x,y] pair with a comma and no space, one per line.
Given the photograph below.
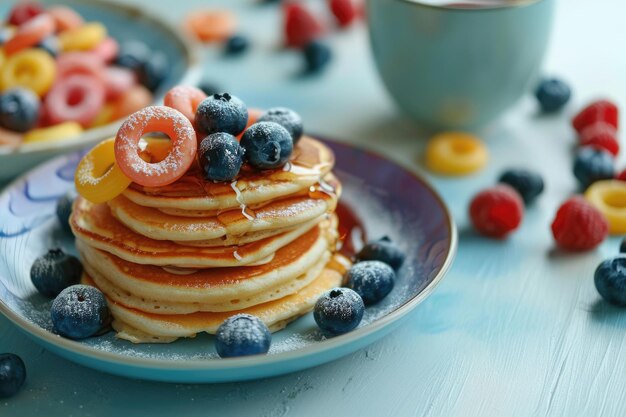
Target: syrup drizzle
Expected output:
[242,204]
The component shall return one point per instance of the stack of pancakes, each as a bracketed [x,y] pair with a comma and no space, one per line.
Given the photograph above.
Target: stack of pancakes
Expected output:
[177,260]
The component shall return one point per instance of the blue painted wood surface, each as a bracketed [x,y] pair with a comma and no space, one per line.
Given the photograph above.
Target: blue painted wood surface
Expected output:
[515,329]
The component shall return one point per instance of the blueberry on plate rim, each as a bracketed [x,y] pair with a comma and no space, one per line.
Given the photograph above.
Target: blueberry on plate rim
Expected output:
[64,208]
[79,311]
[372,280]
[383,250]
[53,272]
[338,311]
[242,335]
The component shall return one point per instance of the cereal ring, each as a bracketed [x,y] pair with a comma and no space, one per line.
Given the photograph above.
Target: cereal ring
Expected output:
[65,18]
[156,119]
[72,63]
[61,131]
[609,197]
[82,38]
[185,99]
[455,153]
[117,81]
[30,68]
[212,25]
[30,33]
[133,100]
[104,116]
[77,98]
[106,50]
[98,177]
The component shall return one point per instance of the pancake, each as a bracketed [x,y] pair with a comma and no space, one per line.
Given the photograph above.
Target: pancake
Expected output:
[310,161]
[94,224]
[278,214]
[276,314]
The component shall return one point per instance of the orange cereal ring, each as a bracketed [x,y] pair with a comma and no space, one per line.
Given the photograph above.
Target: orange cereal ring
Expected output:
[185,99]
[212,25]
[156,119]
[65,18]
[30,33]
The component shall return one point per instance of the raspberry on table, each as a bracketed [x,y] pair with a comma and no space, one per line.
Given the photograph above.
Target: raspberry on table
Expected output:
[497,211]
[600,135]
[579,226]
[345,11]
[301,27]
[598,111]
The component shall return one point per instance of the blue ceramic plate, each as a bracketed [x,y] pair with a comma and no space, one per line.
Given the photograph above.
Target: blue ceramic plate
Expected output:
[388,200]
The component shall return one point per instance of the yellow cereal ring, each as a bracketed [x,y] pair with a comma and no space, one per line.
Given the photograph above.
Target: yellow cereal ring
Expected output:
[82,38]
[98,178]
[104,117]
[30,68]
[455,153]
[609,196]
[59,131]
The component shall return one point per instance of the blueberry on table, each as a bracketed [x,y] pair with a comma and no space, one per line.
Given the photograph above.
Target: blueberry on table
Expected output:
[64,209]
[236,45]
[527,183]
[19,109]
[221,113]
[50,45]
[383,250]
[221,157]
[55,271]
[12,374]
[268,145]
[316,56]
[338,311]
[372,280]
[153,71]
[242,335]
[591,165]
[610,280]
[287,118]
[552,94]
[79,311]
[133,55]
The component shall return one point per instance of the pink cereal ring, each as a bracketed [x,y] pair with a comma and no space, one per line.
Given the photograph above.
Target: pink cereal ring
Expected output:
[65,18]
[117,81]
[72,63]
[156,119]
[185,99]
[30,33]
[77,98]
[106,50]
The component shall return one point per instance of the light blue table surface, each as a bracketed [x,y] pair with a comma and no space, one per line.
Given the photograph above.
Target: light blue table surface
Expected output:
[515,329]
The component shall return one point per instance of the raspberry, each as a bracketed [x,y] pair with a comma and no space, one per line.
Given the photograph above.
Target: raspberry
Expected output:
[579,226]
[621,176]
[345,11]
[600,135]
[301,27]
[601,110]
[24,11]
[497,211]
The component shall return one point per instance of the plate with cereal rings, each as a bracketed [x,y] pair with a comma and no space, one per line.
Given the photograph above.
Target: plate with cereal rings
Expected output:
[74,70]
[379,198]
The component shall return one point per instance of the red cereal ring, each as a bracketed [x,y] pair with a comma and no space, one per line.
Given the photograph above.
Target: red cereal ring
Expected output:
[117,81]
[156,119]
[23,11]
[185,99]
[106,50]
[65,17]
[76,98]
[30,33]
[72,63]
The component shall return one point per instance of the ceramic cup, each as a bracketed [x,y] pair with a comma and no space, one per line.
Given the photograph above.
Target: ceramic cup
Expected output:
[457,66]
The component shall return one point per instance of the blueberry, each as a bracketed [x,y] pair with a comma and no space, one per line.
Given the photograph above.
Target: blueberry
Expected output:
[221,157]
[372,280]
[209,88]
[19,109]
[242,335]
[12,374]
[268,145]
[236,45]
[591,165]
[133,55]
[622,246]
[55,271]
[527,183]
[79,311]
[64,209]
[552,95]
[221,113]
[383,250]
[316,56]
[50,45]
[153,71]
[338,311]
[610,280]
[287,118]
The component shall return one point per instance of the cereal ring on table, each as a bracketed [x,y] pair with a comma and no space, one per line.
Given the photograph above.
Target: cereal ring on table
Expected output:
[133,100]
[185,99]
[30,33]
[212,25]
[30,68]
[60,131]
[609,197]
[76,98]
[65,18]
[455,153]
[117,81]
[156,119]
[98,177]
[106,50]
[82,38]
[72,63]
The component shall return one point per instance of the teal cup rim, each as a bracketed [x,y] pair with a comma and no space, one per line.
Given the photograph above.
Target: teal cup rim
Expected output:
[495,7]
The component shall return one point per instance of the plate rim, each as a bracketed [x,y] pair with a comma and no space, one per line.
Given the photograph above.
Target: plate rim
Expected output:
[210,364]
